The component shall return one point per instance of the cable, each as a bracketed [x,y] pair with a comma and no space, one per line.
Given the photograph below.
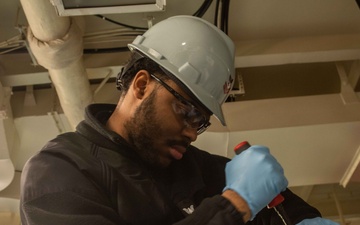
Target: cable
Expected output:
[281,217]
[222,14]
[203,8]
[12,49]
[12,44]
[121,24]
[216,16]
[121,35]
[225,15]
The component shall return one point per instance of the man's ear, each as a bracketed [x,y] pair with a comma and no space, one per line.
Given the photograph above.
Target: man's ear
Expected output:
[141,83]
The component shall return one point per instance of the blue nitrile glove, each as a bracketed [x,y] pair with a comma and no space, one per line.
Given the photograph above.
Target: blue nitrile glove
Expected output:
[256,176]
[317,221]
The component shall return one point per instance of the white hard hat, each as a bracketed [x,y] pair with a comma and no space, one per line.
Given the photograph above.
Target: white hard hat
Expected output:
[196,53]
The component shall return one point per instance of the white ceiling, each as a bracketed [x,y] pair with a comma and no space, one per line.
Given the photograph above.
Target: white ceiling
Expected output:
[299,62]
[249,20]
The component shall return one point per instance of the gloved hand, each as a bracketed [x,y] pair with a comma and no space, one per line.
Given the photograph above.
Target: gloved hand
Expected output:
[317,221]
[256,176]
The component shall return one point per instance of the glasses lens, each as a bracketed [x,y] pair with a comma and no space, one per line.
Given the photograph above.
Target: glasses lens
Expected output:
[193,118]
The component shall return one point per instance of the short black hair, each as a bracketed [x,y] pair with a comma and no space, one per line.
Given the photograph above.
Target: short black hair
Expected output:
[137,62]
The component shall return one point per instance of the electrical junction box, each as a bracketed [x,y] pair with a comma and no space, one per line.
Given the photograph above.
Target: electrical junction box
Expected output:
[93,7]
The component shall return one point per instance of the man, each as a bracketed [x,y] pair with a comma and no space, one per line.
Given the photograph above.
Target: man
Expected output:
[132,163]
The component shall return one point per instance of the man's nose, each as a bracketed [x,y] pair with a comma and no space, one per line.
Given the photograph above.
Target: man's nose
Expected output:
[190,133]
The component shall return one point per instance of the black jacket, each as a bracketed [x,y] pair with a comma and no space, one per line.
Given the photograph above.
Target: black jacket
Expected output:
[92,176]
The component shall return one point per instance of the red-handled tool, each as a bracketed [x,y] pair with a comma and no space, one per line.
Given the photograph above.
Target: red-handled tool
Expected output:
[242,146]
[276,202]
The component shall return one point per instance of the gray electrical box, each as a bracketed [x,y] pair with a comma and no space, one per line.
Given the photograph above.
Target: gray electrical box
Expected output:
[93,7]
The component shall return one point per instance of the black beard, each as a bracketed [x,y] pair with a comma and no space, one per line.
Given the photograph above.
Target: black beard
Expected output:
[142,129]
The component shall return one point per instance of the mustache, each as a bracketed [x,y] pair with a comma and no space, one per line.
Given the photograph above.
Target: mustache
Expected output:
[185,142]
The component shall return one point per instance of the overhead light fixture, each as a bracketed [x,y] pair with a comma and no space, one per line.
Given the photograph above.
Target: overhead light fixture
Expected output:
[93,7]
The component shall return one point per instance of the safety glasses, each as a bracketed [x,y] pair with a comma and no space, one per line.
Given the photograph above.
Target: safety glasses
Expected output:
[192,116]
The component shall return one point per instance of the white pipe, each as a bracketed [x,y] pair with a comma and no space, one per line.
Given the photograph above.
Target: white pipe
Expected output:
[57,45]
[7,170]
[338,207]
[43,20]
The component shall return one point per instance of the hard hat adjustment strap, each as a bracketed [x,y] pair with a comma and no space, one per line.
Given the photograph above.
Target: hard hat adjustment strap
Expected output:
[137,56]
